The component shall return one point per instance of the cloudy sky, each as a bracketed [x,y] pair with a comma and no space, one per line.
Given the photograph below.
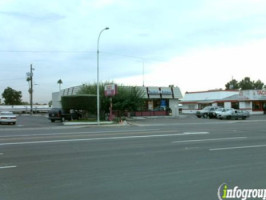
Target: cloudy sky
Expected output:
[194,44]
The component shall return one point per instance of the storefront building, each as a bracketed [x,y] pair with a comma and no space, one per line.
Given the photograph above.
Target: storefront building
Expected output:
[157,99]
[253,101]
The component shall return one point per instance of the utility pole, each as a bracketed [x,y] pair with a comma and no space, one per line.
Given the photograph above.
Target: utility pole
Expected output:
[30,79]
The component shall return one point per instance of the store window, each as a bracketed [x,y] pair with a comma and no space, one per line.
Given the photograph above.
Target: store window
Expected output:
[235,105]
[220,104]
[256,105]
[191,106]
[203,105]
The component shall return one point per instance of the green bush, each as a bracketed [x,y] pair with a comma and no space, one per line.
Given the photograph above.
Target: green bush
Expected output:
[80,102]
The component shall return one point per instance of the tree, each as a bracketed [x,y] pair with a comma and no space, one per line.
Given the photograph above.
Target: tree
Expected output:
[258,85]
[128,98]
[59,82]
[245,84]
[232,85]
[12,97]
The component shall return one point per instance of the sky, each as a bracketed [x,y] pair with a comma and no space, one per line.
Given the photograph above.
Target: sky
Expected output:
[196,45]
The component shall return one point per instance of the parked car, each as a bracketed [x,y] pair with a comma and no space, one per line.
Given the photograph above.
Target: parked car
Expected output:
[207,112]
[215,113]
[233,114]
[61,115]
[8,118]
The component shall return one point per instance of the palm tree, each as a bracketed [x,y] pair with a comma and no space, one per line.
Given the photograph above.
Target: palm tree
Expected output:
[59,82]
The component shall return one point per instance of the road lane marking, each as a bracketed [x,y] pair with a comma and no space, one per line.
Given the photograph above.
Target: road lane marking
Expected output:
[195,133]
[97,139]
[214,139]
[95,132]
[239,147]
[84,132]
[1,154]
[7,167]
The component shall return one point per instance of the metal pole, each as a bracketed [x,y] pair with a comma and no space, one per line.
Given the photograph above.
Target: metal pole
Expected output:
[31,89]
[98,89]
[143,73]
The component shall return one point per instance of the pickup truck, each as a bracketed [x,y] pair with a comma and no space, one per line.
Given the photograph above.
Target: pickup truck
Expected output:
[59,114]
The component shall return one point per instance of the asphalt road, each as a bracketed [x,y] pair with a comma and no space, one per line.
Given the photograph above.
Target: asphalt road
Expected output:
[143,161]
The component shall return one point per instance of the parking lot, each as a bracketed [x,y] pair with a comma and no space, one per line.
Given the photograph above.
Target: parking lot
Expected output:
[32,121]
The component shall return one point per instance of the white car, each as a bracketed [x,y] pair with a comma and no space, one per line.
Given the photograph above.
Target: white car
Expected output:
[7,118]
[233,114]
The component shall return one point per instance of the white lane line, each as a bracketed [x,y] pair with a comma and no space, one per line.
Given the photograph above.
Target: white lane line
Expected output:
[7,167]
[239,147]
[95,139]
[85,132]
[195,133]
[1,154]
[214,139]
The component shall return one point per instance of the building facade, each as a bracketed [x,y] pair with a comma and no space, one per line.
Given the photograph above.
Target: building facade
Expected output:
[156,98]
[253,101]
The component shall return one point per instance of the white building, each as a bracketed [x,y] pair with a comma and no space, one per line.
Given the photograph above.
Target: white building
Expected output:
[155,97]
[253,101]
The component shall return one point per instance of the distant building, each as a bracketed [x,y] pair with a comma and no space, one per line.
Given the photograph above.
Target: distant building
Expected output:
[156,98]
[253,101]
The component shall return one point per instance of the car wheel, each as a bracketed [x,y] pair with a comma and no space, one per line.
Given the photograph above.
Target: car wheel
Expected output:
[228,117]
[244,118]
[205,115]
[52,120]
[14,123]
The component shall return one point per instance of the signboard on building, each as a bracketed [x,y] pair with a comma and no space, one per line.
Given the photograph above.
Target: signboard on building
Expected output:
[254,94]
[110,90]
[159,92]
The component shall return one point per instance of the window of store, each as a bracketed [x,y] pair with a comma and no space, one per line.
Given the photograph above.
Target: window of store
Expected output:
[191,106]
[235,105]
[203,105]
[220,104]
[256,105]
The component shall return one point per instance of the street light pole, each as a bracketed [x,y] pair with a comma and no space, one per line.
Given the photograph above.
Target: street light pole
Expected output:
[98,89]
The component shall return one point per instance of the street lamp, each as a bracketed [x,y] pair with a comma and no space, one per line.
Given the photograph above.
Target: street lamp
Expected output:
[98,90]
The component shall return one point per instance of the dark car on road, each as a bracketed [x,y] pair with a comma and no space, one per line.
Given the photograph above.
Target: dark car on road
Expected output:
[61,115]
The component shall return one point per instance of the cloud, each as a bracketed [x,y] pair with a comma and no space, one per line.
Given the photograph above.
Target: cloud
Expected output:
[33,16]
[206,69]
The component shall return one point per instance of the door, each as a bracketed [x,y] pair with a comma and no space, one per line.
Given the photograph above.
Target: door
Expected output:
[264,107]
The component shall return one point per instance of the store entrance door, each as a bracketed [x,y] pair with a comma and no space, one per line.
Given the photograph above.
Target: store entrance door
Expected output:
[264,107]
